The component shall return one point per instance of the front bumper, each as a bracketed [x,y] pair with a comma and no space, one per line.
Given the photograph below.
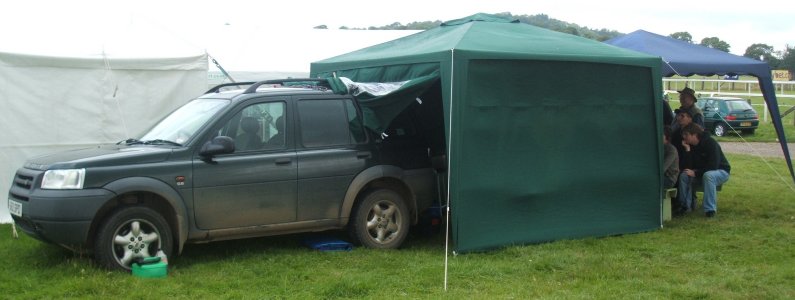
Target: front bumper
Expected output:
[70,235]
[61,217]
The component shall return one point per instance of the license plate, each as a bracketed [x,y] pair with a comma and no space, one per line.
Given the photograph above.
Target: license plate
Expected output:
[15,208]
[745,124]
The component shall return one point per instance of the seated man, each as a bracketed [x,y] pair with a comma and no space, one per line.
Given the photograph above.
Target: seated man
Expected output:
[277,140]
[683,118]
[708,165]
[670,160]
[250,138]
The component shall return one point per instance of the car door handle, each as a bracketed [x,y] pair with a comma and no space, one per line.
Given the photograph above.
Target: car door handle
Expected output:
[363,154]
[283,161]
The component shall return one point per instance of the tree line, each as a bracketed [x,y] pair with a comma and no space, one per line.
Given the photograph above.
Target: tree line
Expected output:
[777,59]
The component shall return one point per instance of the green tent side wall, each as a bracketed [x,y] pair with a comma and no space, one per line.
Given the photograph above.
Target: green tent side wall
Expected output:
[549,136]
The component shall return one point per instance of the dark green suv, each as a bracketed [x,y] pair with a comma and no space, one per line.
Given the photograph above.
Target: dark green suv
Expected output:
[723,115]
[231,164]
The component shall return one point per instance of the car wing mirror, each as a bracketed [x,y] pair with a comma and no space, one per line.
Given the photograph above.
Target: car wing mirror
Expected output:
[218,145]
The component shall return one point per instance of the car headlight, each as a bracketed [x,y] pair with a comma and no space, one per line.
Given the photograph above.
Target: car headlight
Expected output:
[69,179]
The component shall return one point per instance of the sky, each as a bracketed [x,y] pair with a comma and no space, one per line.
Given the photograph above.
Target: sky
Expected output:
[232,30]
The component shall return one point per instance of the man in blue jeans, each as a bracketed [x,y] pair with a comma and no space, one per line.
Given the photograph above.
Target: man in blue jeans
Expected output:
[709,166]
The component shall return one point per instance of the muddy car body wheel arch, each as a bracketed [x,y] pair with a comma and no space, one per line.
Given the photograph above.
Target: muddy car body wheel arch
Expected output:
[163,191]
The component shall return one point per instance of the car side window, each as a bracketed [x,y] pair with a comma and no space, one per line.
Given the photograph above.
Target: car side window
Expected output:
[710,105]
[257,127]
[327,123]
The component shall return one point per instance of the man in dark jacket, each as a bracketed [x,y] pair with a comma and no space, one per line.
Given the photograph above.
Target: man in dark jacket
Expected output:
[683,118]
[709,166]
[668,114]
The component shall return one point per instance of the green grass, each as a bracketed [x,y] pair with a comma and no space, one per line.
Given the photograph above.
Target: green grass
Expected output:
[765,133]
[746,252]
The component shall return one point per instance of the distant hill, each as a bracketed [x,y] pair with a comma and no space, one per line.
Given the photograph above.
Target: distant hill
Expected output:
[540,20]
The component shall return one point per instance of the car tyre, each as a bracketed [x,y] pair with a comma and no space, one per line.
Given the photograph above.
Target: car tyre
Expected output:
[380,220]
[719,130]
[130,233]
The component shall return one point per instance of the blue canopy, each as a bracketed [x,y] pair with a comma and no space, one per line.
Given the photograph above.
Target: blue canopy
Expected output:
[686,59]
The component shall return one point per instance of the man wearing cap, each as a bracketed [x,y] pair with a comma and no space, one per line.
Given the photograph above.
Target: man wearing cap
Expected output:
[708,164]
[687,98]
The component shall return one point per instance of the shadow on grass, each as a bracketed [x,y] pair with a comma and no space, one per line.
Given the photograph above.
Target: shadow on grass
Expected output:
[220,251]
[38,257]
[41,256]
[46,256]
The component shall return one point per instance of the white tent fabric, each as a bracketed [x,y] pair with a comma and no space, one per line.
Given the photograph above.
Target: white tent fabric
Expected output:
[51,104]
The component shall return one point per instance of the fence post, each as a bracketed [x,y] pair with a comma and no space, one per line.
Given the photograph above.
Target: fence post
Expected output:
[765,111]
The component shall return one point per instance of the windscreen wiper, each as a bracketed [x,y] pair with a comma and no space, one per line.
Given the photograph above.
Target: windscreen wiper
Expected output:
[161,141]
[130,142]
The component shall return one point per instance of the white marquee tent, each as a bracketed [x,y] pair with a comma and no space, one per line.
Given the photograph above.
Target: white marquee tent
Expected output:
[57,103]
[65,92]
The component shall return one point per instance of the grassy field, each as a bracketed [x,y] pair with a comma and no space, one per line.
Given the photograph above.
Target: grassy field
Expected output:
[746,252]
[765,133]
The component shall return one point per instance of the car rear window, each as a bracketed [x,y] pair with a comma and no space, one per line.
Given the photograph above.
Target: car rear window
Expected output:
[329,123]
[738,105]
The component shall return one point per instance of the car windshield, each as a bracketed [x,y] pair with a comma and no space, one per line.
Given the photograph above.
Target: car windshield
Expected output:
[738,105]
[182,124]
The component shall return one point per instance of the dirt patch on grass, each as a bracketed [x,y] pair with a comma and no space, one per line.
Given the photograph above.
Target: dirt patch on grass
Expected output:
[757,149]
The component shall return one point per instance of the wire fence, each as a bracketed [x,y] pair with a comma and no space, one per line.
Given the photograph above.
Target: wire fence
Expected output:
[784,89]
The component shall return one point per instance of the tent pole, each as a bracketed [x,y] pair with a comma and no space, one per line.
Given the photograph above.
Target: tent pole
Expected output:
[769,93]
[449,167]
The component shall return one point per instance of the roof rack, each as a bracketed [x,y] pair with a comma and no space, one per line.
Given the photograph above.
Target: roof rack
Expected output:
[321,82]
[217,88]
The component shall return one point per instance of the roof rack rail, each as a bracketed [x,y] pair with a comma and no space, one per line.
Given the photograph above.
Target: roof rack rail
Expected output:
[253,88]
[217,88]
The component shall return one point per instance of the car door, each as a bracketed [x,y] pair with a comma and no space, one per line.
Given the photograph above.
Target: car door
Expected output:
[711,112]
[255,185]
[332,149]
